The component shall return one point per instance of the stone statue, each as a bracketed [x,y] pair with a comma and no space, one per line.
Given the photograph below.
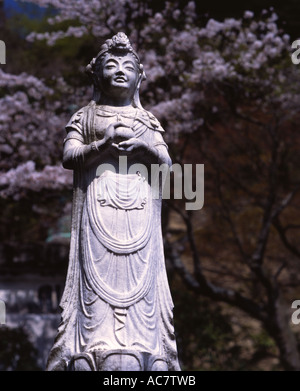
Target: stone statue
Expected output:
[117,311]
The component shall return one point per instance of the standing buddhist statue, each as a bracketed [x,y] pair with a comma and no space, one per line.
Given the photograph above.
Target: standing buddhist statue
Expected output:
[117,311]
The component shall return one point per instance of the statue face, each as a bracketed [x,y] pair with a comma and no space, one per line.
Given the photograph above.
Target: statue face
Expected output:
[118,76]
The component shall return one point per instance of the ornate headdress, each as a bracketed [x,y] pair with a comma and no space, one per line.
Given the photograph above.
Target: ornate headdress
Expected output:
[118,44]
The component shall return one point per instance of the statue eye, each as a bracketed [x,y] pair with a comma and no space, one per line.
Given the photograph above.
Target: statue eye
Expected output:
[110,66]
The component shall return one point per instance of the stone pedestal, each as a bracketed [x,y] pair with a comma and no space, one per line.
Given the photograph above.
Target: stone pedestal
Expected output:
[117,360]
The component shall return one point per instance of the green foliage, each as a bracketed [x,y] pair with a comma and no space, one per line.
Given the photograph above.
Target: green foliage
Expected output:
[263,341]
[38,58]
[16,351]
[28,220]
[210,338]
[204,334]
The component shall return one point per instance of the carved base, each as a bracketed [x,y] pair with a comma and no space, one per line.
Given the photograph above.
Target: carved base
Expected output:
[117,360]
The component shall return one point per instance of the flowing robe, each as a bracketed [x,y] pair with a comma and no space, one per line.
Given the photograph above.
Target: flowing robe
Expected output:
[117,294]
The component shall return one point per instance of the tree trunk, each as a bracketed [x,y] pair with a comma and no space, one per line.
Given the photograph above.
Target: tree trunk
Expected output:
[279,328]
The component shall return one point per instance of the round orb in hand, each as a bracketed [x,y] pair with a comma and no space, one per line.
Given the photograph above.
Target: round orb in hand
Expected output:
[122,134]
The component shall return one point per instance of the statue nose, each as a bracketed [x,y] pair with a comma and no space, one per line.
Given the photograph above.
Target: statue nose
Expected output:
[120,70]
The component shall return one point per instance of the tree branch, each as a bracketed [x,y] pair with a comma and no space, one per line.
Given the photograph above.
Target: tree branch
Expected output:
[282,234]
[227,216]
[212,291]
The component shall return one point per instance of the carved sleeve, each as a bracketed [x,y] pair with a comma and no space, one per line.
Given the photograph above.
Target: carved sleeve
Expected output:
[161,148]
[74,146]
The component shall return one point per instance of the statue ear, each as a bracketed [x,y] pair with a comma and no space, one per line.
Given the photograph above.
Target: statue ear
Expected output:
[136,97]
[96,83]
[95,80]
[144,77]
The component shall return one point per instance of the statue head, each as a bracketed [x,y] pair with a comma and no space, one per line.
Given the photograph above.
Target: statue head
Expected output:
[116,51]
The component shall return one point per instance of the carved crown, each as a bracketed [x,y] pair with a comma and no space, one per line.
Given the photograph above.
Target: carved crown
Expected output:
[119,41]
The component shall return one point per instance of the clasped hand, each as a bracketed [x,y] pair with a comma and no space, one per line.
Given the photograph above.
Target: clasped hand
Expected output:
[122,138]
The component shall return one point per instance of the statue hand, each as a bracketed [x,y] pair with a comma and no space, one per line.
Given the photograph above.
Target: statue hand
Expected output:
[111,130]
[132,144]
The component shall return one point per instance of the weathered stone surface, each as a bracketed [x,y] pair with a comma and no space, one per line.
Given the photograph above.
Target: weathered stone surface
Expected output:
[41,331]
[117,308]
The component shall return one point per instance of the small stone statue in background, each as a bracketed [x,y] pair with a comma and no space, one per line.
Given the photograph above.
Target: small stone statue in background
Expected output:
[117,311]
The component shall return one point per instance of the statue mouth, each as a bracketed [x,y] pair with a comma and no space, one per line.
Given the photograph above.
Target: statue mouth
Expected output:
[120,79]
